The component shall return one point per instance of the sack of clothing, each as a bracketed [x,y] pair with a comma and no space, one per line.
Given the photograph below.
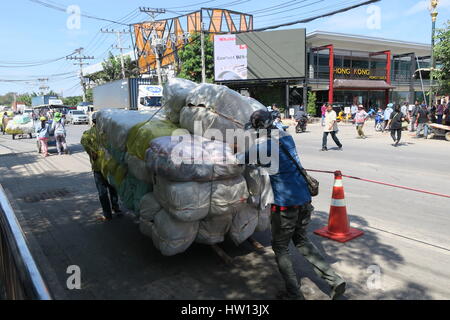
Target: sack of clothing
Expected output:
[243,224]
[213,229]
[116,124]
[191,158]
[175,92]
[20,125]
[170,235]
[138,169]
[142,134]
[148,208]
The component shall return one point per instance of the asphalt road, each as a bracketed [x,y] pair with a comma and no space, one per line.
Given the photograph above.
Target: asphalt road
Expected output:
[404,253]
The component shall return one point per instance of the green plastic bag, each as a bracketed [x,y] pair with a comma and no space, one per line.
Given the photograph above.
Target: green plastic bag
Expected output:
[140,136]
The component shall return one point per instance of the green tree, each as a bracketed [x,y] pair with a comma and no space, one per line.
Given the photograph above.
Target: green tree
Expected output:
[311,107]
[72,101]
[112,70]
[442,55]
[191,60]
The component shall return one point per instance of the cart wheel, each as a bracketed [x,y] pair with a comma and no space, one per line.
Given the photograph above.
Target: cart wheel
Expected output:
[447,136]
[38,146]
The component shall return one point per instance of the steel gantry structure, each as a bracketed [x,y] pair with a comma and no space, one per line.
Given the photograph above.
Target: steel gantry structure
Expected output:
[167,36]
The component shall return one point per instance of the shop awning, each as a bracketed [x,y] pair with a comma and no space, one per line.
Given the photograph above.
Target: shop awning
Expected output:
[362,84]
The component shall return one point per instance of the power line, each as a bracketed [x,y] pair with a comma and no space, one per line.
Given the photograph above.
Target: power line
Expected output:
[63,9]
[310,18]
[80,58]
[289,10]
[119,33]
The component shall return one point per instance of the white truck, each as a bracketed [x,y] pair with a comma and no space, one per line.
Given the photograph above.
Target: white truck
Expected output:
[131,94]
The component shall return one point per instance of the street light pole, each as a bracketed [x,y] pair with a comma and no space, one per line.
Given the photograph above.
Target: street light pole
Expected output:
[434,14]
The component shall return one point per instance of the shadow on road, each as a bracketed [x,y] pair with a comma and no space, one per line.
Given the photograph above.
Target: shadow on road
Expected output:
[118,262]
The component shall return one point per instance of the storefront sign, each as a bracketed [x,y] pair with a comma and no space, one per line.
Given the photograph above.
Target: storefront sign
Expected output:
[357,73]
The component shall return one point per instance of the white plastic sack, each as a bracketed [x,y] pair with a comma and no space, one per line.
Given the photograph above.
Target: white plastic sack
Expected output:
[186,201]
[138,169]
[172,236]
[228,195]
[244,224]
[175,92]
[116,124]
[224,101]
[19,128]
[148,208]
[213,229]
[191,158]
[259,187]
[263,219]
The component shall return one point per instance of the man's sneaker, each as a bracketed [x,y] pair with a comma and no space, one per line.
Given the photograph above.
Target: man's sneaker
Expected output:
[340,148]
[338,290]
[324,149]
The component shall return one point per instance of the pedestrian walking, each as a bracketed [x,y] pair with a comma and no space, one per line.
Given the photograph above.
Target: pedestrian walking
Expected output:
[4,122]
[43,134]
[387,114]
[354,110]
[330,128]
[414,113]
[395,124]
[422,121]
[323,110]
[291,210]
[360,119]
[439,113]
[107,193]
[447,115]
[59,129]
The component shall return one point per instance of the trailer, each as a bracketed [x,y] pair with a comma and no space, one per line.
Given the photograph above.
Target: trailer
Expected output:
[440,130]
[130,94]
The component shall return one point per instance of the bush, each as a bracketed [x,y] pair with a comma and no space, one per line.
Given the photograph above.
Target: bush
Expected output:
[311,107]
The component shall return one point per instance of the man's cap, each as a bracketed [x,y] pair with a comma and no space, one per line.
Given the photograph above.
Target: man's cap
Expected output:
[43,118]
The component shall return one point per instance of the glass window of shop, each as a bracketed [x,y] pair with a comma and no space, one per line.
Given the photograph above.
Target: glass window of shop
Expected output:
[346,98]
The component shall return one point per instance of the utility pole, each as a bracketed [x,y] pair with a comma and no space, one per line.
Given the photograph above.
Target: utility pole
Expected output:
[202,44]
[43,87]
[158,44]
[80,58]
[119,46]
[434,14]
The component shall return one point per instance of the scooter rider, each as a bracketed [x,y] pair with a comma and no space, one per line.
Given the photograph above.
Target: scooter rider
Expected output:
[301,117]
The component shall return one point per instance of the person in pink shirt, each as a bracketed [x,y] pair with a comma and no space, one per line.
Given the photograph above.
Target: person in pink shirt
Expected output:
[324,112]
[360,119]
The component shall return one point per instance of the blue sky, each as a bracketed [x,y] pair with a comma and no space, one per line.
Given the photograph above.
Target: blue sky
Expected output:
[31,32]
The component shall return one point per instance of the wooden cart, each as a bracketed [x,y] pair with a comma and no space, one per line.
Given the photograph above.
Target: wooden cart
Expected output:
[440,130]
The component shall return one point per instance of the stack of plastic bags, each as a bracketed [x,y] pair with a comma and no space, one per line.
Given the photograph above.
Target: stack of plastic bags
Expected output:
[124,137]
[185,188]
[200,194]
[20,124]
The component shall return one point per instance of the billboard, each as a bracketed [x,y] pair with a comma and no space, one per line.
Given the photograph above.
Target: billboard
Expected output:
[230,59]
[277,54]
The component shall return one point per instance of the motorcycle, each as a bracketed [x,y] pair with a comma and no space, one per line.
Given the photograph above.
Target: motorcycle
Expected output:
[301,125]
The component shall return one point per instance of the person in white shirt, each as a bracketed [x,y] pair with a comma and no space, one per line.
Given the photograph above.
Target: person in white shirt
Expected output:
[330,128]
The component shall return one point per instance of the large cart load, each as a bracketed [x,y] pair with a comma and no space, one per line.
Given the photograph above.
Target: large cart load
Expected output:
[184,186]
[20,125]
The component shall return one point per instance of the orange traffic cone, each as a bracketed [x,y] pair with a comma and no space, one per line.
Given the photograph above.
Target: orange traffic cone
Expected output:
[338,228]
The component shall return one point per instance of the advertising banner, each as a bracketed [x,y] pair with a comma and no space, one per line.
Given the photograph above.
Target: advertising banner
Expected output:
[230,59]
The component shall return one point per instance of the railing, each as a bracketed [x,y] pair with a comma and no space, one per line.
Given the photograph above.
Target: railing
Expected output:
[20,278]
